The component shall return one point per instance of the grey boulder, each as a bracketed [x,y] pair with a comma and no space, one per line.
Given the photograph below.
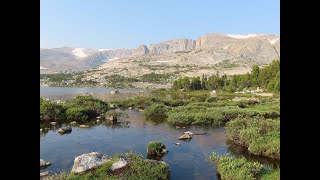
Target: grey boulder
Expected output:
[88,161]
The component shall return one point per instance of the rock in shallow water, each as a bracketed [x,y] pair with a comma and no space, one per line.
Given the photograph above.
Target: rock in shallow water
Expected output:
[84,126]
[189,133]
[88,161]
[65,130]
[44,164]
[43,174]
[185,136]
[119,164]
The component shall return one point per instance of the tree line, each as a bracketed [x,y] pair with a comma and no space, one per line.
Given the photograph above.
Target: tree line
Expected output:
[267,78]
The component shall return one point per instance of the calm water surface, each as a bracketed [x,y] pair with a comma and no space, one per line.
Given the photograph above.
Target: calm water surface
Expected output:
[188,161]
[62,93]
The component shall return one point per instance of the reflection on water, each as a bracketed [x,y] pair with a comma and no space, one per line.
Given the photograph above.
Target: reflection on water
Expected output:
[62,93]
[241,151]
[188,161]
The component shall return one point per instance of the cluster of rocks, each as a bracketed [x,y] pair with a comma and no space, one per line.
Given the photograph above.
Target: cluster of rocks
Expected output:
[86,162]
[44,164]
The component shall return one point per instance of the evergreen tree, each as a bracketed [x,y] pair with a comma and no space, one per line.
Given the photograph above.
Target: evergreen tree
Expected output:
[204,82]
[196,83]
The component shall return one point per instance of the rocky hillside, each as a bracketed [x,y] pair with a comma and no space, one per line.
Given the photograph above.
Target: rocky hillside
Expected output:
[211,50]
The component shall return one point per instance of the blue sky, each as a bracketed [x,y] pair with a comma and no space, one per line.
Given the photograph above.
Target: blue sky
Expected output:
[128,23]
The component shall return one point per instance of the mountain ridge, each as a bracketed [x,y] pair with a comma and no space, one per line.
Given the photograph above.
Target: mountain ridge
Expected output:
[260,48]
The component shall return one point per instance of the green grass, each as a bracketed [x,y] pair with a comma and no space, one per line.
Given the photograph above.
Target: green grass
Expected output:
[63,175]
[236,168]
[142,102]
[99,173]
[191,93]
[273,174]
[219,113]
[156,112]
[137,169]
[117,81]
[156,148]
[80,108]
[241,169]
[261,136]
[141,169]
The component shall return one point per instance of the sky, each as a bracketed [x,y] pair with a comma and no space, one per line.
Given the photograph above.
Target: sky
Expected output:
[129,23]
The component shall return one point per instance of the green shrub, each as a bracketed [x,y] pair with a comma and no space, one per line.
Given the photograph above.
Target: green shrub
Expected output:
[273,174]
[94,106]
[261,136]
[51,110]
[155,78]
[156,111]
[142,169]
[156,148]
[77,114]
[138,168]
[191,118]
[211,99]
[236,168]
[218,113]
[142,102]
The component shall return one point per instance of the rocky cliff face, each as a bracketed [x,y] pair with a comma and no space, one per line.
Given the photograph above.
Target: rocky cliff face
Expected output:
[172,46]
[140,50]
[207,49]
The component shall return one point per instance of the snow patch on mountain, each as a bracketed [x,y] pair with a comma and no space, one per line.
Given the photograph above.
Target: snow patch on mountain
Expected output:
[239,36]
[274,41]
[79,52]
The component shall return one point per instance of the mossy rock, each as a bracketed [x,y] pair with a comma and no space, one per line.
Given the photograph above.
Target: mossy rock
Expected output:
[156,148]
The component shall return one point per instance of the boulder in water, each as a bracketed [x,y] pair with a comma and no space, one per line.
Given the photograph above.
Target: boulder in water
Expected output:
[44,164]
[64,130]
[84,126]
[185,136]
[189,133]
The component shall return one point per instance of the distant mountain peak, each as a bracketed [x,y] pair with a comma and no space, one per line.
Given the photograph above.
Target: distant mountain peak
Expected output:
[257,47]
